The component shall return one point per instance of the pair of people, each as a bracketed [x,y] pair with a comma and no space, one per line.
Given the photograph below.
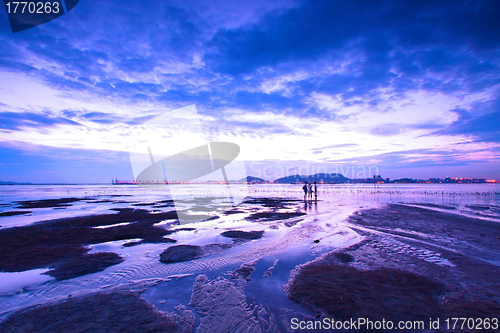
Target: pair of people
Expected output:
[308,190]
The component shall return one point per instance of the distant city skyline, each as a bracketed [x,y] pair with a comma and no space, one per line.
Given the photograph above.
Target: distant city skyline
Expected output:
[376,179]
[408,88]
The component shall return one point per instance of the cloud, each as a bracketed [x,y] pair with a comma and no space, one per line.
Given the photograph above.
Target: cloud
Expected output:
[386,130]
[17,121]
[316,28]
[101,117]
[421,158]
[480,122]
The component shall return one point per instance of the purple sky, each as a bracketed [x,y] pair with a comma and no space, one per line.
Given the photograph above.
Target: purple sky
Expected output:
[397,88]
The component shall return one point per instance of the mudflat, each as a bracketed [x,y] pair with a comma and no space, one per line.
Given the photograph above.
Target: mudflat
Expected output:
[414,264]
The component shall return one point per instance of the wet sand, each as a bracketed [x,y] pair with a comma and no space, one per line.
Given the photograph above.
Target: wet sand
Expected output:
[60,244]
[104,312]
[413,263]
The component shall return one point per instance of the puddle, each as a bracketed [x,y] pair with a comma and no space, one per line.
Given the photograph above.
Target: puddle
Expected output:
[19,282]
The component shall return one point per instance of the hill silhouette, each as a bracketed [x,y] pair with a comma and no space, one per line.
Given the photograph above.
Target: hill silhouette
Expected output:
[335,178]
[13,183]
[253,180]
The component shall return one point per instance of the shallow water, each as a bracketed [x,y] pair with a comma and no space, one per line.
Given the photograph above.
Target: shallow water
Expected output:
[286,242]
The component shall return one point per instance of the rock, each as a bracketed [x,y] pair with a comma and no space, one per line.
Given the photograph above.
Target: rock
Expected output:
[244,271]
[82,265]
[243,234]
[180,253]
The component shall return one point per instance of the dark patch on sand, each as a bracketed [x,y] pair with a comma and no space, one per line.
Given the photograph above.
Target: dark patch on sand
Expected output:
[343,257]
[272,202]
[273,216]
[150,241]
[435,206]
[478,207]
[231,212]
[243,234]
[13,213]
[290,224]
[170,201]
[345,292]
[105,312]
[99,201]
[54,243]
[181,253]
[47,203]
[129,244]
[444,229]
[82,265]
[185,229]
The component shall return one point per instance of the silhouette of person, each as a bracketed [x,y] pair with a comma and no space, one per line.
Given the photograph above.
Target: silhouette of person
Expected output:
[305,190]
[315,191]
[310,189]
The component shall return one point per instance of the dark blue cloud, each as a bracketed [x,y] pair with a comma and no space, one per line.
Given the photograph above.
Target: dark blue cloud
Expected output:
[300,33]
[15,120]
[101,117]
[401,45]
[381,26]
[92,43]
[414,158]
[481,122]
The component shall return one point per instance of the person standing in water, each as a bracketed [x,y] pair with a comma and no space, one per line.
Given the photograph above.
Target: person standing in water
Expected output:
[310,190]
[315,191]
[304,188]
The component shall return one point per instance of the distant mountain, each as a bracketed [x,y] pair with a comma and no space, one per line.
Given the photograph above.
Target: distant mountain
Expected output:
[404,180]
[253,180]
[13,183]
[335,178]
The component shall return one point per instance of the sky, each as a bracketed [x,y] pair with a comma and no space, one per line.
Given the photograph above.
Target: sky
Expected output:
[396,88]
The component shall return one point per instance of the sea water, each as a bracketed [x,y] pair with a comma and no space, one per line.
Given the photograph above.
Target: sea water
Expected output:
[287,246]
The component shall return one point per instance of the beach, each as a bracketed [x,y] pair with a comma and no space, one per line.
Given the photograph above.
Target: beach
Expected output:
[116,258]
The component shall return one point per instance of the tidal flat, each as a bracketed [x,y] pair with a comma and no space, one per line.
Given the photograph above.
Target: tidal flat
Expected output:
[114,259]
